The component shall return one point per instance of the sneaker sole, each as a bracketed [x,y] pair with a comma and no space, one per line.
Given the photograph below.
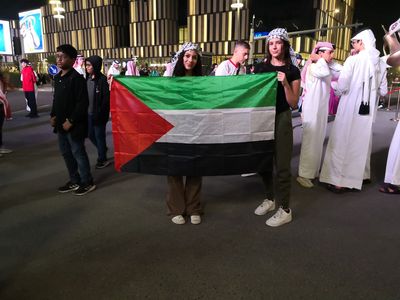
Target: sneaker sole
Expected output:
[88,191]
[195,222]
[178,223]
[71,190]
[280,224]
[102,167]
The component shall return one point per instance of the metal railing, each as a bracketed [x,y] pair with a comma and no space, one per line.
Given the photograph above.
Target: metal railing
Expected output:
[394,87]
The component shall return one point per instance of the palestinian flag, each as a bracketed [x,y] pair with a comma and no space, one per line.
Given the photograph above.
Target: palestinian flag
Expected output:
[194,126]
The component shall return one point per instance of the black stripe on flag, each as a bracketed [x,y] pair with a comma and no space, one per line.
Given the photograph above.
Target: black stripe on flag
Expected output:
[203,159]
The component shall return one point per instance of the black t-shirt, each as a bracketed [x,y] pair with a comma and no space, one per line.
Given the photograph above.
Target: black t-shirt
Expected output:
[292,73]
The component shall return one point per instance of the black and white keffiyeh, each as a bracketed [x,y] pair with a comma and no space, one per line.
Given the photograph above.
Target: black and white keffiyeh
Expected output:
[185,47]
[281,33]
[278,33]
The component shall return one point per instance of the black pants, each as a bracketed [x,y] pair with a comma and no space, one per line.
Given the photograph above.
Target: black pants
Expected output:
[30,96]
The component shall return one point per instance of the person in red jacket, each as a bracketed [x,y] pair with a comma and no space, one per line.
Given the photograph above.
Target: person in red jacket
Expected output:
[28,79]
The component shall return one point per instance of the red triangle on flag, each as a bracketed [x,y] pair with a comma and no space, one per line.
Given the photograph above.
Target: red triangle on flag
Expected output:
[135,126]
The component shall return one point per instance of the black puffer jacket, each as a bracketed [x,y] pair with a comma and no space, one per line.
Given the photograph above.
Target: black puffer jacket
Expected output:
[101,105]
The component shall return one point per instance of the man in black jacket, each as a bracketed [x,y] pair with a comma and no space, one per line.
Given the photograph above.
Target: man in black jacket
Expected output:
[69,119]
[99,107]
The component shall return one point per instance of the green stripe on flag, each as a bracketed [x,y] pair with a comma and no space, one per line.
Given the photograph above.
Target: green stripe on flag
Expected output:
[205,92]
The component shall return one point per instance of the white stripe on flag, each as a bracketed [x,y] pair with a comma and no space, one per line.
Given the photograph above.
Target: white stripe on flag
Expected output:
[218,126]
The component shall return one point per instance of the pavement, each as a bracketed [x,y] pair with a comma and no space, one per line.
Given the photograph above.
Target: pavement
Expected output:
[118,243]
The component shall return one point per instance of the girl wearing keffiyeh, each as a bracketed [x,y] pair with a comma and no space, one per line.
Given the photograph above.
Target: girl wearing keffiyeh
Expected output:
[183,197]
[279,60]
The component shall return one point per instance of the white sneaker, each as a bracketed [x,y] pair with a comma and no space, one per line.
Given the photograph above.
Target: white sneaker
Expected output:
[195,219]
[179,220]
[305,182]
[264,207]
[5,151]
[279,218]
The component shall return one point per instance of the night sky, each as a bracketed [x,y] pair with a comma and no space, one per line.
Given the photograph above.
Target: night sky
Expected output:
[371,13]
[11,8]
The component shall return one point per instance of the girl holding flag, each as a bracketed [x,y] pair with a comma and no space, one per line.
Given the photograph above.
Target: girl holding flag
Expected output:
[183,197]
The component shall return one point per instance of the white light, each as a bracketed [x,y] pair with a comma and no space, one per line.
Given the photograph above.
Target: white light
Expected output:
[336,10]
[59,9]
[55,2]
[58,16]
[237,5]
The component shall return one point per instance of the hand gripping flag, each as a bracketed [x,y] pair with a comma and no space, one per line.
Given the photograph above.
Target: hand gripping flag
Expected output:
[194,126]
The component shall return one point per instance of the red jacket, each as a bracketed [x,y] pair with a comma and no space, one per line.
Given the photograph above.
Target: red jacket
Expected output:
[28,79]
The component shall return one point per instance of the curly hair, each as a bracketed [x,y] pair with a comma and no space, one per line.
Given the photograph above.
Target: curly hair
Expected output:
[180,68]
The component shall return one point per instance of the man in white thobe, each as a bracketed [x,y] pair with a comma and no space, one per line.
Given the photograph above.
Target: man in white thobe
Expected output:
[392,174]
[362,80]
[316,80]
[114,69]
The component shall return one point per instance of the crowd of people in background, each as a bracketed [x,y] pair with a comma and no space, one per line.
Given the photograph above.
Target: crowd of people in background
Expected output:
[321,86]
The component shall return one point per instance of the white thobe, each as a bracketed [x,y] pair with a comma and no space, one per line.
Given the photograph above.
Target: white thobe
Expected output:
[347,156]
[113,71]
[315,117]
[392,174]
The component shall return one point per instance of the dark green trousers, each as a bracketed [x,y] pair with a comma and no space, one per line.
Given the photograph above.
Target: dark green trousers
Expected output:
[278,181]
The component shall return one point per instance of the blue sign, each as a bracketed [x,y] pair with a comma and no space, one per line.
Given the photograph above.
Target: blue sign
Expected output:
[31,30]
[260,34]
[53,70]
[5,38]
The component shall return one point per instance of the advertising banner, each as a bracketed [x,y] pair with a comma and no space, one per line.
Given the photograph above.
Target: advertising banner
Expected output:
[30,26]
[5,38]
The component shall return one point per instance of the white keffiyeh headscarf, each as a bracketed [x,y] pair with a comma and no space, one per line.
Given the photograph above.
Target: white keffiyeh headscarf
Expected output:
[185,47]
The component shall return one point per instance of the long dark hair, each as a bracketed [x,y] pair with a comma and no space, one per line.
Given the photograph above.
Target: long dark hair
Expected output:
[180,70]
[286,53]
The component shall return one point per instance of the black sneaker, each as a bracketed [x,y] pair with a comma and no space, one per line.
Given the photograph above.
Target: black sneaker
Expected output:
[84,189]
[68,187]
[102,164]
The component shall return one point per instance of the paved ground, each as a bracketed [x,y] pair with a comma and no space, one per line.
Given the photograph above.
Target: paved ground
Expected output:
[118,243]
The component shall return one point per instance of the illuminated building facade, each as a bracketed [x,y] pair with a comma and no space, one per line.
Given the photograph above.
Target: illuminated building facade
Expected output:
[314,14]
[153,29]
[92,26]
